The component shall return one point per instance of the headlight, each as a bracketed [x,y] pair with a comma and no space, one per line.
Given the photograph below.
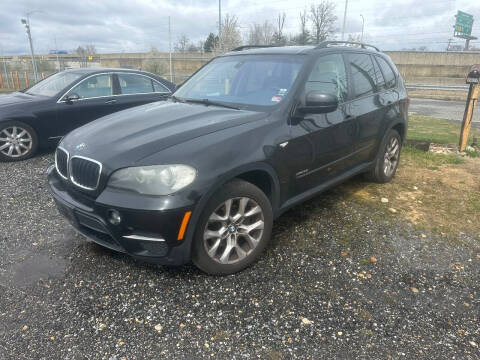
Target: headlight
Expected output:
[153,180]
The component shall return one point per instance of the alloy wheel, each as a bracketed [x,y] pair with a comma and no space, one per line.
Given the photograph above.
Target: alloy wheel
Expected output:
[15,142]
[234,230]
[392,154]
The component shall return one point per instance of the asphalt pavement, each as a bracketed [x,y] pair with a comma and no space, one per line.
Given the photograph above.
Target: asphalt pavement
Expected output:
[339,281]
[442,109]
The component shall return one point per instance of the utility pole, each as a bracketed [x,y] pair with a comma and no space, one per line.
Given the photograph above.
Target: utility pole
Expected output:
[363,27]
[467,45]
[26,22]
[170,47]
[219,18]
[344,20]
[220,24]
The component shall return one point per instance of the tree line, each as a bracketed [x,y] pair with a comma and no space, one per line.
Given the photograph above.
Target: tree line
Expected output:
[314,26]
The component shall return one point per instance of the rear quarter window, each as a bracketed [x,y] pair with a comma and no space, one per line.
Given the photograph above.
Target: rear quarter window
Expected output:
[388,72]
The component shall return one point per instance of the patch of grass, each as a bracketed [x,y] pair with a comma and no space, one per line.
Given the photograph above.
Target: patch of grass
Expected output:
[474,202]
[365,262]
[436,130]
[473,154]
[429,160]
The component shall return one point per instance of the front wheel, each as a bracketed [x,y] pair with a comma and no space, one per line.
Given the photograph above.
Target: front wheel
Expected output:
[388,158]
[233,230]
[18,141]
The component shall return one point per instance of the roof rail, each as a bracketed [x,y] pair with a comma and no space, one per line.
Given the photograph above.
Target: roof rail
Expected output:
[246,47]
[325,44]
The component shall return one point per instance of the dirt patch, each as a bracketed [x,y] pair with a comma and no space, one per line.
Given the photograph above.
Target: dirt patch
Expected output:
[440,197]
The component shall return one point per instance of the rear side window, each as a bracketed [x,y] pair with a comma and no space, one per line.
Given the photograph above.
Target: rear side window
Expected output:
[135,84]
[388,73]
[329,76]
[363,74]
[378,76]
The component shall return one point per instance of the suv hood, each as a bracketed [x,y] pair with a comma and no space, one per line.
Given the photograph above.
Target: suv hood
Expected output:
[124,138]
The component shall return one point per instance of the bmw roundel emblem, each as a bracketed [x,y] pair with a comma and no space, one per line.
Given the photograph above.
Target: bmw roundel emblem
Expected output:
[81,146]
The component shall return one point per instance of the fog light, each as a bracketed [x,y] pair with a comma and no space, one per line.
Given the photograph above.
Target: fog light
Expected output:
[114,217]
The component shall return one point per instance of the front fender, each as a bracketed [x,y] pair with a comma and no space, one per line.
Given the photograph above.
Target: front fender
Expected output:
[230,175]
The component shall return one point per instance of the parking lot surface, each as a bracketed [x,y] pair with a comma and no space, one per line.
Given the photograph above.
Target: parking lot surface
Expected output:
[339,280]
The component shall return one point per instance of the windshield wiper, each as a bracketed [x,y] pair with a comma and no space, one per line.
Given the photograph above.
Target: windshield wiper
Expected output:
[177,99]
[210,102]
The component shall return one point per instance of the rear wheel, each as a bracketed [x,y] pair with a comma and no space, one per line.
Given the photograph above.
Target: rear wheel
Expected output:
[18,141]
[233,230]
[388,158]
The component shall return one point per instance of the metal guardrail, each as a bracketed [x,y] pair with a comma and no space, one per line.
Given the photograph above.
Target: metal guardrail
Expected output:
[437,87]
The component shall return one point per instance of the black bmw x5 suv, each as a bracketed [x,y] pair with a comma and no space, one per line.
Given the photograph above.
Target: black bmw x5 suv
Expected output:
[255,131]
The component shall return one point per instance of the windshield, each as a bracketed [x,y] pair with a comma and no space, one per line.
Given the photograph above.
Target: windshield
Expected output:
[52,85]
[263,80]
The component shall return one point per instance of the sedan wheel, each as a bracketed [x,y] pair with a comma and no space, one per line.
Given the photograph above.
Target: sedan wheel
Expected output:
[16,142]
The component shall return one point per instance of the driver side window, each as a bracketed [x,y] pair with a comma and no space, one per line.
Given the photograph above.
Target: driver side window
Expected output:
[95,86]
[329,76]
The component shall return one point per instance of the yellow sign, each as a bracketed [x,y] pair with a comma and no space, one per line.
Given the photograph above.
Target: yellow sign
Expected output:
[90,57]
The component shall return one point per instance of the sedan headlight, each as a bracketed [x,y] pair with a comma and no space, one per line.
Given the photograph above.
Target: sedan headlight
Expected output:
[153,180]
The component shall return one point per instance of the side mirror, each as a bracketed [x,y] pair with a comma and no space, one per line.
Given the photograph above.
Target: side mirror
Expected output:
[71,97]
[317,102]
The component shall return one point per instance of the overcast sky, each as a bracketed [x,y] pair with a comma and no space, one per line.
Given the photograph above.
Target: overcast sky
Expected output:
[134,26]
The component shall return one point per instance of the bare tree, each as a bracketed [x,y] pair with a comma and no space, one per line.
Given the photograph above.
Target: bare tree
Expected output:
[201,46]
[91,49]
[323,19]
[84,52]
[278,36]
[261,34]
[154,64]
[304,37]
[192,48]
[182,44]
[354,38]
[230,37]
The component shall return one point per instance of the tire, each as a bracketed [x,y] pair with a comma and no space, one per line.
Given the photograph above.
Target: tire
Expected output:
[228,242]
[18,141]
[388,158]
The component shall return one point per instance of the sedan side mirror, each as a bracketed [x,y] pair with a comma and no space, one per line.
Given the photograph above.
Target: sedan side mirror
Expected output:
[317,102]
[71,97]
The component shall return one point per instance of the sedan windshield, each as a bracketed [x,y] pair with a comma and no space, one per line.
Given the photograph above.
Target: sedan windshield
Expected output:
[52,85]
[263,80]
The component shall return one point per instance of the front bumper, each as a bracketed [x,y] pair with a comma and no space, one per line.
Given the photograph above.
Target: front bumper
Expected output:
[149,234]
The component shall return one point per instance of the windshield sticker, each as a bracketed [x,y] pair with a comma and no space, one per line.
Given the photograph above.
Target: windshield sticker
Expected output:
[282,92]
[277,98]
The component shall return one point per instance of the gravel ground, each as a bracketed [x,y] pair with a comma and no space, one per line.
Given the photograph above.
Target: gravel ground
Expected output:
[339,280]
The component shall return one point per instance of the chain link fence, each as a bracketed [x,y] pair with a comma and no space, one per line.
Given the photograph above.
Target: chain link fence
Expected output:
[16,73]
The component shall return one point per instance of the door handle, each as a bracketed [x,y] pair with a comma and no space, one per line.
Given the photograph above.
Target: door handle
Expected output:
[112,101]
